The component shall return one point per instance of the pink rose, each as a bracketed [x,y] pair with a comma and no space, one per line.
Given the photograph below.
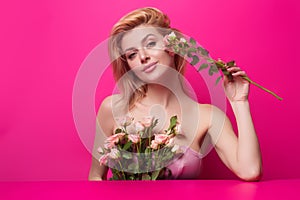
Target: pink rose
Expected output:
[134,138]
[170,142]
[113,140]
[103,159]
[171,36]
[109,145]
[139,126]
[154,144]
[168,40]
[161,138]
[147,121]
[116,137]
[114,153]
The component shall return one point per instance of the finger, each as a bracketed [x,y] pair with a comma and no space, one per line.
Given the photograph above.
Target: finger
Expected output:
[239,73]
[233,69]
[226,80]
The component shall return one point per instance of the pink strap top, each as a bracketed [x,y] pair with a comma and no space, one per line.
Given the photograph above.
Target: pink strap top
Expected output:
[187,166]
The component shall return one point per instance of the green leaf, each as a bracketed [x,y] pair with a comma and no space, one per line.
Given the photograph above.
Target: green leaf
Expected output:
[154,123]
[173,122]
[118,130]
[155,174]
[127,155]
[193,41]
[192,50]
[132,178]
[146,177]
[214,68]
[218,80]
[195,60]
[176,49]
[202,66]
[230,63]
[210,72]
[147,150]
[203,51]
[186,45]
[127,145]
[115,175]
[219,65]
[182,52]
[209,60]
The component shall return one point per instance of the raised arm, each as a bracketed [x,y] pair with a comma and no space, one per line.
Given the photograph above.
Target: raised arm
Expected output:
[241,152]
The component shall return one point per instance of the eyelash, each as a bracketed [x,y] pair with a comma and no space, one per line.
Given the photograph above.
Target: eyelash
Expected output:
[130,56]
[151,44]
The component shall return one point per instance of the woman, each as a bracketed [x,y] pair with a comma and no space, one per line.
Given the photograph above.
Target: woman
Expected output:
[149,78]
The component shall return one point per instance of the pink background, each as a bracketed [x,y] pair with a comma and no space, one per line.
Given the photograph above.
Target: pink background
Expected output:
[43,44]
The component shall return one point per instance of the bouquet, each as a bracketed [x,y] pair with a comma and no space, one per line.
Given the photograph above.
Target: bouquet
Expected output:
[199,56]
[140,153]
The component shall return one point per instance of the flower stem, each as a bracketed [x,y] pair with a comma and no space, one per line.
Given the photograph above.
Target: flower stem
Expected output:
[124,177]
[261,87]
[140,144]
[221,65]
[149,136]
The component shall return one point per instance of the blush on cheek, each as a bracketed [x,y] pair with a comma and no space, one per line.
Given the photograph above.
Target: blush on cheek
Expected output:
[132,65]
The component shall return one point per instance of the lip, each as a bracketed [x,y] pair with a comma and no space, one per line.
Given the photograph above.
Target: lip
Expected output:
[150,67]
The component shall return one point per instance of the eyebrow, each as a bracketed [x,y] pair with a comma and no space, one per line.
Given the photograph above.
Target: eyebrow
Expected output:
[143,40]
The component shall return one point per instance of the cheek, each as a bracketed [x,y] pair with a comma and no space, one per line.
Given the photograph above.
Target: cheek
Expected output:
[159,53]
[162,55]
[167,59]
[132,64]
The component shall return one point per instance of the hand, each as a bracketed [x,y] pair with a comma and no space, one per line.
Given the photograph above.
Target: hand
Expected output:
[236,89]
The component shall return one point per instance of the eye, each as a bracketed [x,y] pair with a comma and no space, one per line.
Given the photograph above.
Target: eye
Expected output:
[151,44]
[131,55]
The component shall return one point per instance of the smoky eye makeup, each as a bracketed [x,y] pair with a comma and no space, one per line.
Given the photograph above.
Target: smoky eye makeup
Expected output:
[129,55]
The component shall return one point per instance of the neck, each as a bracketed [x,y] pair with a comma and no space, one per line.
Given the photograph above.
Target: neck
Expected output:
[158,94]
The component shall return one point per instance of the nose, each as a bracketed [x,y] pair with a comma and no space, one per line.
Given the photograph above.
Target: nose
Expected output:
[143,56]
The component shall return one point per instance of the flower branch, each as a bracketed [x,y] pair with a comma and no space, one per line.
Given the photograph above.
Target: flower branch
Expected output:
[199,56]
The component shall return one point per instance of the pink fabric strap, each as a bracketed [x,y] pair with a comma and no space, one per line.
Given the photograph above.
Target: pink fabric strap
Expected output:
[188,166]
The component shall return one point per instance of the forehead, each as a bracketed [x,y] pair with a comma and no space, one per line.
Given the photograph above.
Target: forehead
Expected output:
[135,36]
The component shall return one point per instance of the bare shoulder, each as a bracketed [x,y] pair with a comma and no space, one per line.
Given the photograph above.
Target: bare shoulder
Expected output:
[211,113]
[216,121]
[105,115]
[205,108]
[209,108]
[107,104]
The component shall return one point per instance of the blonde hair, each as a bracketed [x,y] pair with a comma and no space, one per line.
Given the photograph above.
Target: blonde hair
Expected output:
[131,87]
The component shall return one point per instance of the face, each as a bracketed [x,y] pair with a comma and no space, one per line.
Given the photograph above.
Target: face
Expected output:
[144,51]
